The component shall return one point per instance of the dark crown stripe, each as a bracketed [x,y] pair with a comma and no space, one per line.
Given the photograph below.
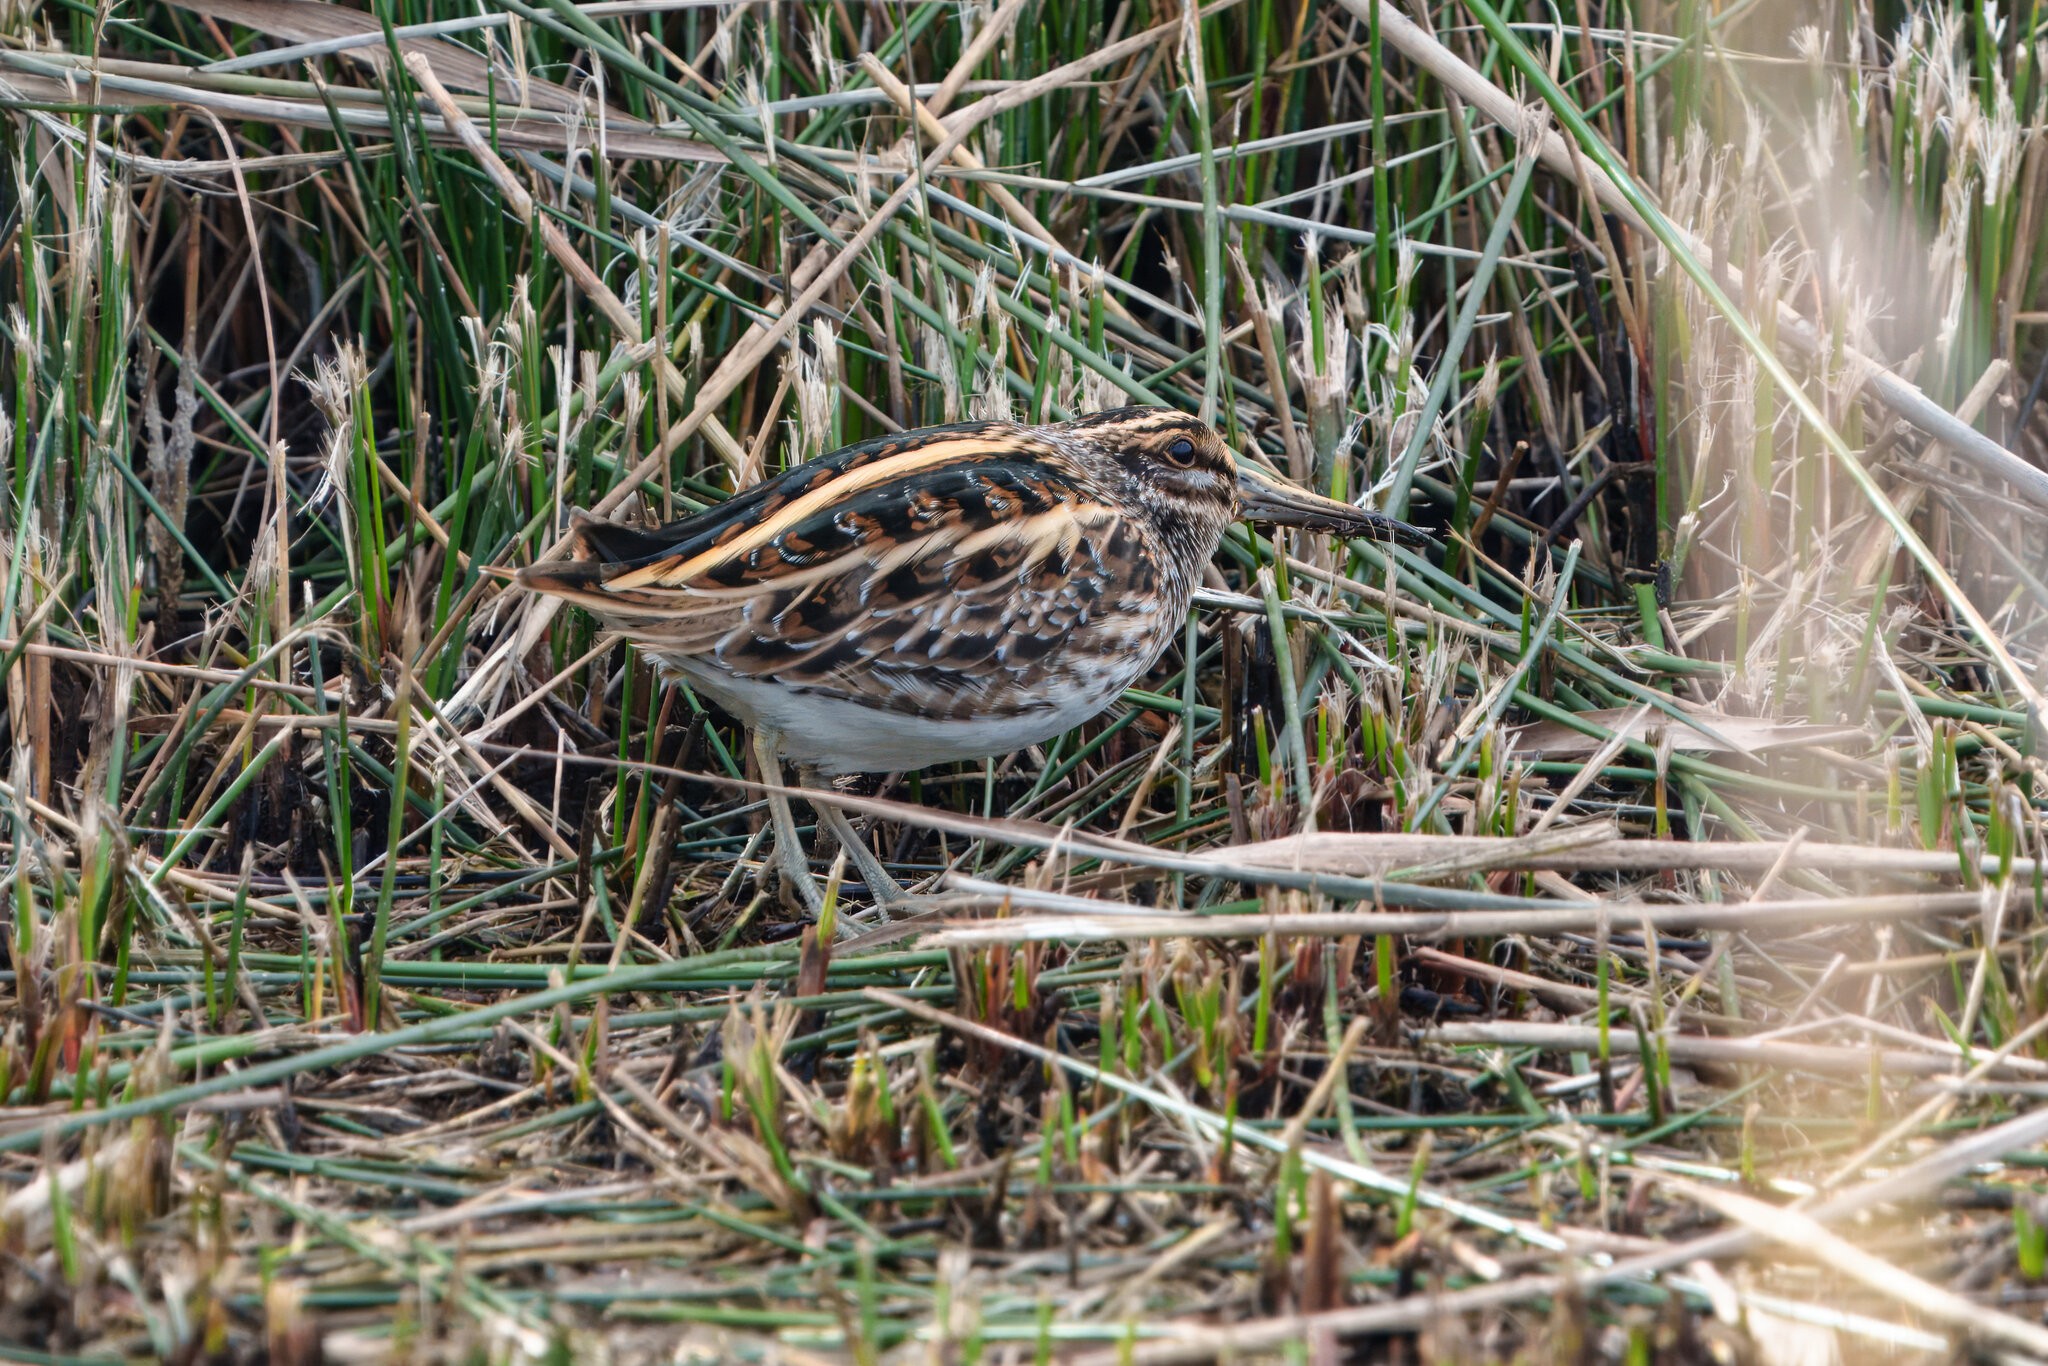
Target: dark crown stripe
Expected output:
[1138,419]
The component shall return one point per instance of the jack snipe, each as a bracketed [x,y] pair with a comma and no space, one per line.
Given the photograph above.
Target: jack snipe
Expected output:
[934,595]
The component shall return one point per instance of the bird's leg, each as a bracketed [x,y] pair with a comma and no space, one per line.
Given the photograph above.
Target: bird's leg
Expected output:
[882,887]
[789,850]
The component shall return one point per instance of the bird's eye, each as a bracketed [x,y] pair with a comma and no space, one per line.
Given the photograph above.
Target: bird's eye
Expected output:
[1181,453]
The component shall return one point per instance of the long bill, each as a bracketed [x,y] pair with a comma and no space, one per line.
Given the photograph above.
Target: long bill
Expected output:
[1263,497]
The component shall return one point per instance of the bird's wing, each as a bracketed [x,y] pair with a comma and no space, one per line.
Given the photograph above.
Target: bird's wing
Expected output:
[611,550]
[923,580]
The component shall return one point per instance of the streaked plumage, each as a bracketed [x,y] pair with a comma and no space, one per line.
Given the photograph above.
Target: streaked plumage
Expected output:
[939,594]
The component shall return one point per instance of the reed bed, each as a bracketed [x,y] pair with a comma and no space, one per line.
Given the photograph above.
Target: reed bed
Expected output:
[1618,936]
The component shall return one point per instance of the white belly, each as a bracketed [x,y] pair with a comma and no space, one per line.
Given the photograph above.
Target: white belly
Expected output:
[841,736]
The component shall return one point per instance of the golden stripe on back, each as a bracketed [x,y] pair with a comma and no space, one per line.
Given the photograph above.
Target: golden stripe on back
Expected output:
[957,449]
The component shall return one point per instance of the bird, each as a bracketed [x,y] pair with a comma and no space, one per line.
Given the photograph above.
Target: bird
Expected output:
[929,596]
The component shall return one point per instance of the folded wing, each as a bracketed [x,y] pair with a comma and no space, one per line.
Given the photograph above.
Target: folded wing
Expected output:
[936,579]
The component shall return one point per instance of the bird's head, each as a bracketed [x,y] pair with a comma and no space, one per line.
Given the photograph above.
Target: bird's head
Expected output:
[1180,469]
